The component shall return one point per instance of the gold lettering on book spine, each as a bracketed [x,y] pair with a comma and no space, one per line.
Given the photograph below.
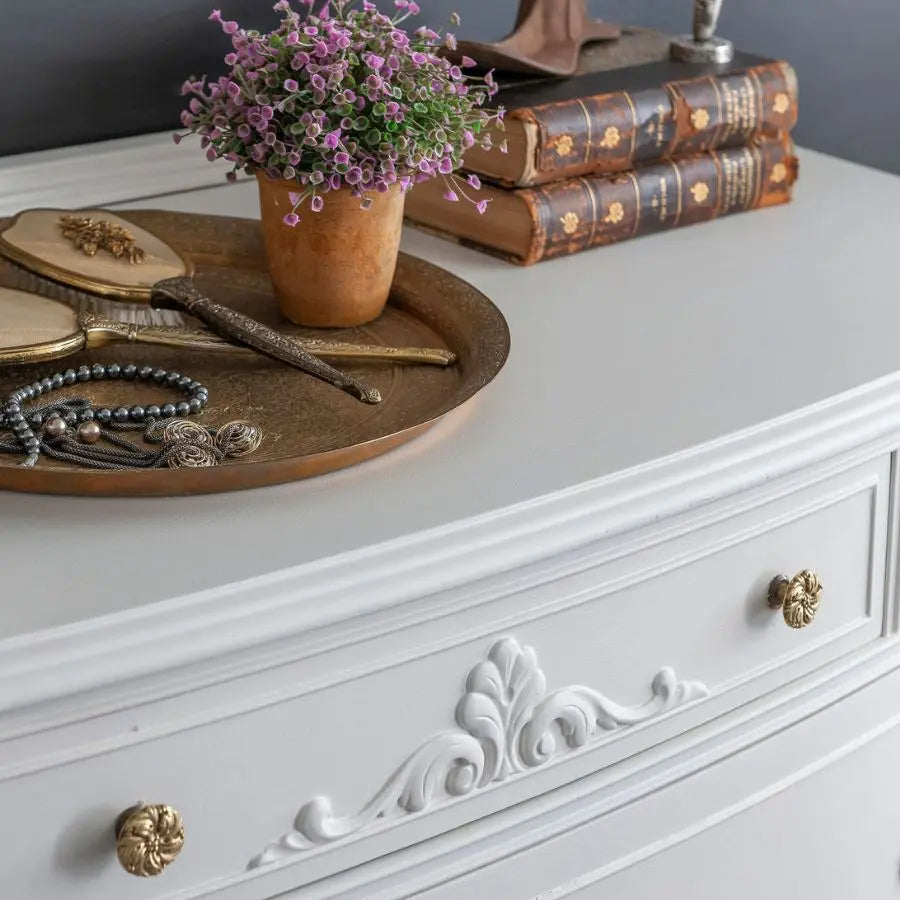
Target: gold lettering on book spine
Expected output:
[740,108]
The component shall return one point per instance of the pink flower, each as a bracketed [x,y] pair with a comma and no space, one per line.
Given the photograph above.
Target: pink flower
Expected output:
[291,86]
[294,197]
[291,219]
[474,180]
[481,206]
[316,203]
[177,137]
[467,62]
[414,8]
[451,196]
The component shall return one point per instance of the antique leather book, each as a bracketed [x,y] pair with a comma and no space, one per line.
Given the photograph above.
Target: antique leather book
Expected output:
[614,120]
[531,224]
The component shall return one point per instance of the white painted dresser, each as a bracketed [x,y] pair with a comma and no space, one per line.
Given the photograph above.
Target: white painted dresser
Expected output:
[528,656]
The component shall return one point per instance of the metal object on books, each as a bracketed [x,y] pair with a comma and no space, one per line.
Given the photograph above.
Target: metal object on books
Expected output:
[703,46]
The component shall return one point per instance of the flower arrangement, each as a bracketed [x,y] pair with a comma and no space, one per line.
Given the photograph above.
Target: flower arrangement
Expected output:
[343,97]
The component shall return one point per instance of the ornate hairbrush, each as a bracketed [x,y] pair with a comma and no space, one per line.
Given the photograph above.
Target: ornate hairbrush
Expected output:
[70,268]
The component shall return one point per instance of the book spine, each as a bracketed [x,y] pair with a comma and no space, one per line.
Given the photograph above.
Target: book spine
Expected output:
[592,211]
[616,132]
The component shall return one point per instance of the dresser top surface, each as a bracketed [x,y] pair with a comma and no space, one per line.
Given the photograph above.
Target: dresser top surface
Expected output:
[620,356]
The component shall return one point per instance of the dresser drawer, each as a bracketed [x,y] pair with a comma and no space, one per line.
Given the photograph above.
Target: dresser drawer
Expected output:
[808,812]
[559,671]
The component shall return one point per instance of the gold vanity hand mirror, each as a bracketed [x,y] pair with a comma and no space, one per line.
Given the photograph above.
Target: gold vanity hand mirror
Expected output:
[132,265]
[34,328]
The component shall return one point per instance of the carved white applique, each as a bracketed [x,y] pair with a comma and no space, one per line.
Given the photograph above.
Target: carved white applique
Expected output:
[505,720]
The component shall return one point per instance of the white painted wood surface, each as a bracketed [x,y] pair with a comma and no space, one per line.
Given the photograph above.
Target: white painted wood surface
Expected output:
[618,501]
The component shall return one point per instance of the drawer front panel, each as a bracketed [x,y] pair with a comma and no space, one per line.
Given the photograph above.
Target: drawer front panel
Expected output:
[466,716]
[810,812]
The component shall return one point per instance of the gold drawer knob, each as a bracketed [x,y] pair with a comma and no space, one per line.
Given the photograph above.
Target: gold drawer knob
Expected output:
[797,597]
[148,838]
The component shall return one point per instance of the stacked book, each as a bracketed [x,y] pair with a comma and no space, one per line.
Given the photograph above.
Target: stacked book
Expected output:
[609,155]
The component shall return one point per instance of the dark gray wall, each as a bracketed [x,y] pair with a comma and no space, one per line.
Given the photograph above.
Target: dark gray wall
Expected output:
[72,72]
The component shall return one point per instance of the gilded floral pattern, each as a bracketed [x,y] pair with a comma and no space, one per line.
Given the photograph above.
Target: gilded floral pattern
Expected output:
[563,145]
[611,138]
[699,119]
[779,173]
[614,214]
[782,103]
[700,191]
[569,223]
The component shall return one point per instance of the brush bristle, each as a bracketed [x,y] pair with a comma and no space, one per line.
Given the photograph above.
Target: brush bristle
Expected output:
[81,301]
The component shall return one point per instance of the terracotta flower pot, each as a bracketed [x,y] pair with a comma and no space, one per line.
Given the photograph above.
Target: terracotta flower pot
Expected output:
[334,268]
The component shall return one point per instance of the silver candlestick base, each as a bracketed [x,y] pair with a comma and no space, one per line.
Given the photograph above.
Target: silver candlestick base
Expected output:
[687,48]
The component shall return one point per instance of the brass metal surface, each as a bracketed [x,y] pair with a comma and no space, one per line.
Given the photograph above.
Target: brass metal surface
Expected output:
[148,839]
[797,597]
[309,428]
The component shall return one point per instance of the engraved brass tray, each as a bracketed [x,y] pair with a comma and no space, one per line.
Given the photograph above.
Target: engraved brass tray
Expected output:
[310,428]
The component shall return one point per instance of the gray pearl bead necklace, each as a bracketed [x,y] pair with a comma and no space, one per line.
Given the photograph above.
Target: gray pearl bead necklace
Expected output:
[56,419]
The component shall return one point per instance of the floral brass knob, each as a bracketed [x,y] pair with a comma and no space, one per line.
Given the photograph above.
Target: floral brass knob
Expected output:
[148,838]
[797,597]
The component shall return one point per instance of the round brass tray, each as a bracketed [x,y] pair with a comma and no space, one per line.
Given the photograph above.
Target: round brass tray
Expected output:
[310,428]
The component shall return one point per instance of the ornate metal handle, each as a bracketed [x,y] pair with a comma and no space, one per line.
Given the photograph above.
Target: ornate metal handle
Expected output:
[797,597]
[180,293]
[101,331]
[148,838]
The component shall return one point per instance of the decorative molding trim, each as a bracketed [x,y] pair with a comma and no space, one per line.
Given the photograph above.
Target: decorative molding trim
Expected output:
[506,718]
